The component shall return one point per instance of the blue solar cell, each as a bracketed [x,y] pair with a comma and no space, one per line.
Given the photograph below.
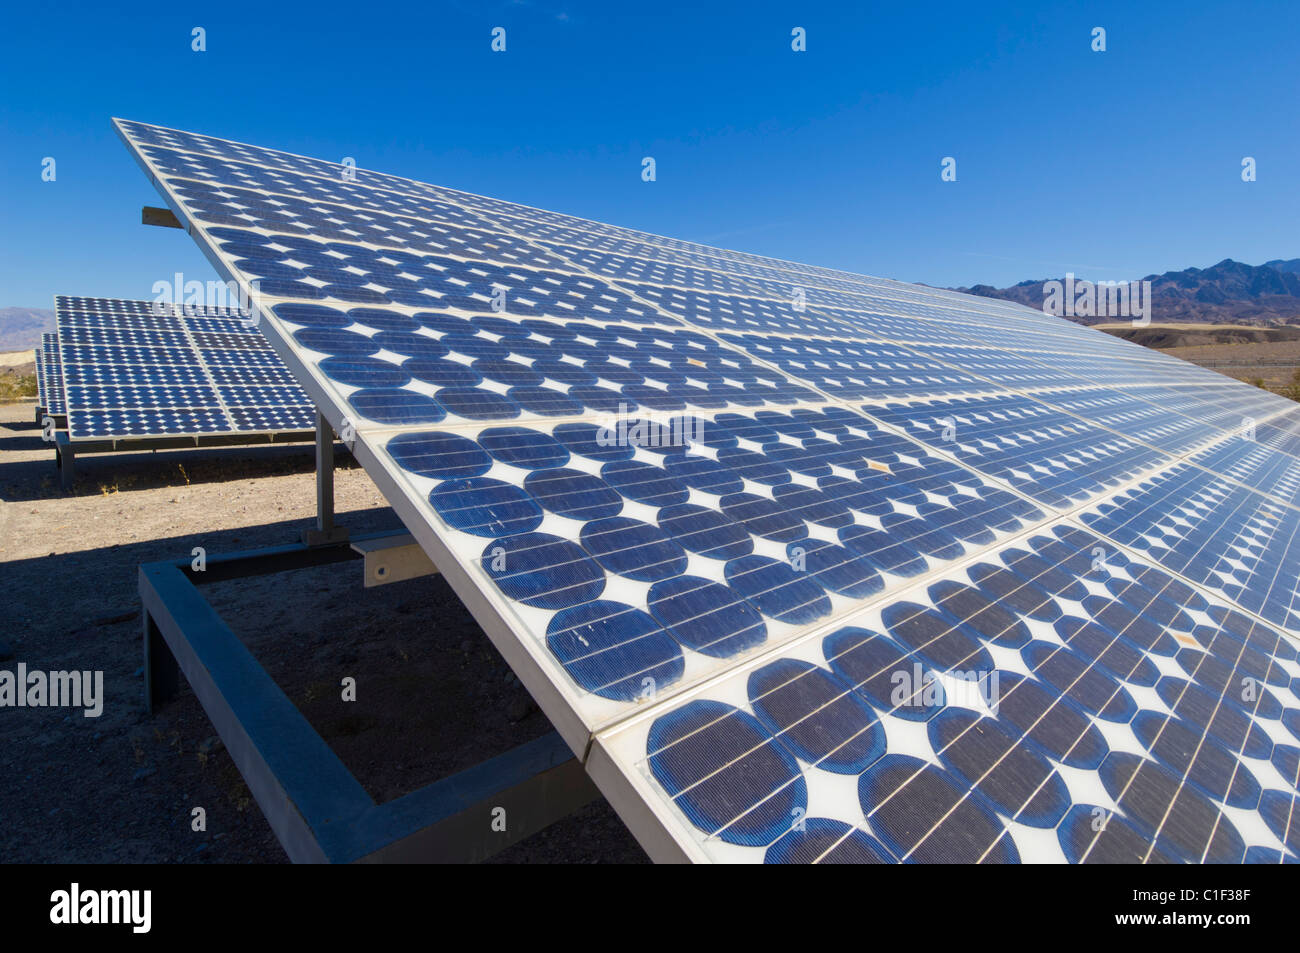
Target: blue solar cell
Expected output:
[777,590]
[753,799]
[541,570]
[817,717]
[486,507]
[614,650]
[439,455]
[634,549]
[706,617]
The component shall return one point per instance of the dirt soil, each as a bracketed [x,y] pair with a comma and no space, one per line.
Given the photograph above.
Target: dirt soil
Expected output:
[433,695]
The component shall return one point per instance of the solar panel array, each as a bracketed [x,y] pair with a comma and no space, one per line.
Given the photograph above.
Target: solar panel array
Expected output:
[810,566]
[49,375]
[140,369]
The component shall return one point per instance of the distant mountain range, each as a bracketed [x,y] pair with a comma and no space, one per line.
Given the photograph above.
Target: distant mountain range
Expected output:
[21,328]
[1227,293]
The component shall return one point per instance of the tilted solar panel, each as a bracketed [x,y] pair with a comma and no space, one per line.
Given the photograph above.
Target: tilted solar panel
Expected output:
[137,369]
[49,375]
[805,565]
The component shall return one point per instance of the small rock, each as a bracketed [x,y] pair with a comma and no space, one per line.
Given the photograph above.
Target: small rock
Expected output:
[143,773]
[209,745]
[520,708]
[114,619]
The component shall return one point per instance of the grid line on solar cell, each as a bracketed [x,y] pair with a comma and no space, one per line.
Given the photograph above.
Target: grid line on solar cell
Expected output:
[600,534]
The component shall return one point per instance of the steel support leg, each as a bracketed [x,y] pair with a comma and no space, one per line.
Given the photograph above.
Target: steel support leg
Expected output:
[325,531]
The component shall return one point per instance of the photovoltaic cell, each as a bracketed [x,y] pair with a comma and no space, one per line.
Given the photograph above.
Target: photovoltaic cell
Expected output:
[811,566]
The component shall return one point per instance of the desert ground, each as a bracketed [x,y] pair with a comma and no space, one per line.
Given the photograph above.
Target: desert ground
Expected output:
[434,696]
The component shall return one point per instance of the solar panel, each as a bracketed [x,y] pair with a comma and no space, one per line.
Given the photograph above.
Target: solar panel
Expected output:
[136,369]
[49,375]
[807,566]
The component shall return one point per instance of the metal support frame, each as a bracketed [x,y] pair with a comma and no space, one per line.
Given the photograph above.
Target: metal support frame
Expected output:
[162,217]
[67,450]
[325,532]
[316,807]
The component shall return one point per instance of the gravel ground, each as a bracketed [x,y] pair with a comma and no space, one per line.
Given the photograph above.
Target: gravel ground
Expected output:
[433,697]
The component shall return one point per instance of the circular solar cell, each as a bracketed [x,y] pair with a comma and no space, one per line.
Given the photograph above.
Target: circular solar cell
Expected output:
[1183,821]
[706,617]
[777,590]
[764,517]
[614,650]
[985,617]
[834,568]
[746,428]
[749,465]
[892,679]
[1076,676]
[937,639]
[798,459]
[1120,657]
[382,320]
[507,372]
[634,549]
[922,814]
[923,536]
[1013,776]
[1221,716]
[335,341]
[1281,812]
[521,447]
[823,841]
[1054,723]
[726,773]
[705,531]
[1094,835]
[1003,587]
[602,399]
[644,483]
[812,505]
[312,315]
[1198,759]
[701,430]
[704,474]
[563,372]
[883,550]
[474,404]
[817,717]
[592,441]
[545,401]
[443,323]
[1121,620]
[439,456]
[485,507]
[364,372]
[409,344]
[396,405]
[544,571]
[574,494]
[441,373]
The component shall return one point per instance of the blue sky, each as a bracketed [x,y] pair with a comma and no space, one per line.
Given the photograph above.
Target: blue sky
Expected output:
[1112,165]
